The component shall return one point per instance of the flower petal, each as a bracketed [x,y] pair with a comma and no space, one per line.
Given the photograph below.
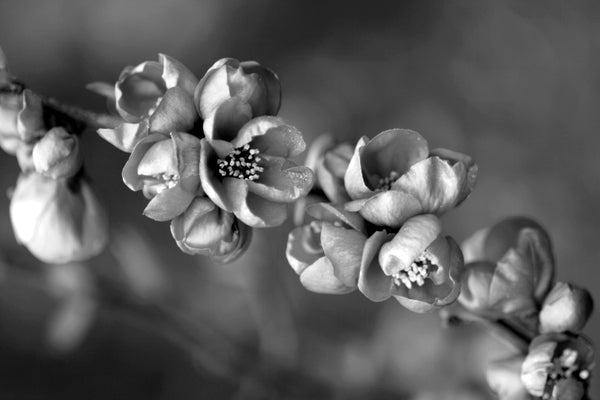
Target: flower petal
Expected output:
[319,278]
[282,181]
[272,136]
[353,179]
[175,112]
[473,246]
[463,165]
[168,204]
[130,174]
[187,149]
[409,243]
[433,182]
[344,248]
[176,74]
[213,89]
[390,208]
[372,281]
[125,136]
[271,82]
[331,213]
[303,247]
[251,209]
[227,120]
[504,378]
[138,90]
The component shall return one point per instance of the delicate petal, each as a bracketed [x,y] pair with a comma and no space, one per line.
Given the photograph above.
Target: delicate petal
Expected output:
[536,244]
[272,136]
[344,248]
[271,82]
[319,278]
[462,165]
[433,182]
[282,181]
[29,120]
[476,283]
[188,160]
[353,179]
[473,246]
[103,89]
[125,136]
[409,243]
[138,90]
[175,74]
[175,112]
[394,150]
[212,90]
[391,208]
[227,120]
[168,204]
[130,173]
[372,281]
[566,308]
[251,209]
[511,287]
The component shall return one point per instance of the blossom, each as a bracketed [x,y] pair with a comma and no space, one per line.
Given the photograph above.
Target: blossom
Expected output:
[21,120]
[418,265]
[165,168]
[394,176]
[56,154]
[510,269]
[558,366]
[233,92]
[153,97]
[327,252]
[566,308]
[59,221]
[251,175]
[207,230]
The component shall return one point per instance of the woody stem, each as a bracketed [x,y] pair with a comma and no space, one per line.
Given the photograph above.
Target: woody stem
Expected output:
[89,118]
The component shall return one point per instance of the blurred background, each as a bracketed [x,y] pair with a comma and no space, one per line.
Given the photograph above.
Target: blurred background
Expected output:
[514,84]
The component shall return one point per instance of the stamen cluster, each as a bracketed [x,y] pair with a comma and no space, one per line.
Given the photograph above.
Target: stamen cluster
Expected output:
[241,163]
[416,273]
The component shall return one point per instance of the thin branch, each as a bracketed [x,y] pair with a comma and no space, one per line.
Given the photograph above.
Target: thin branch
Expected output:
[89,118]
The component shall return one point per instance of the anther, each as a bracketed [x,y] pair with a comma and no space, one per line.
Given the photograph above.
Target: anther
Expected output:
[386,182]
[417,272]
[241,163]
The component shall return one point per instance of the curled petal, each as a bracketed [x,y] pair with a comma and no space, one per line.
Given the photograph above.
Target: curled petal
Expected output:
[390,208]
[372,281]
[504,378]
[344,248]
[511,287]
[125,136]
[473,246]
[409,243]
[353,179]
[566,308]
[175,74]
[319,277]
[282,181]
[138,90]
[304,246]
[168,204]
[272,136]
[188,160]
[251,209]
[213,89]
[227,120]
[462,164]
[130,174]
[331,213]
[271,83]
[29,120]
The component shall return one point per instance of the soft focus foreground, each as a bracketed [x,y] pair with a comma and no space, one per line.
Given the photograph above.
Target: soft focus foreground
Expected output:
[512,85]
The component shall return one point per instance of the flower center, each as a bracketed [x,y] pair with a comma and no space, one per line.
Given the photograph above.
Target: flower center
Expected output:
[386,183]
[241,163]
[563,367]
[166,181]
[417,272]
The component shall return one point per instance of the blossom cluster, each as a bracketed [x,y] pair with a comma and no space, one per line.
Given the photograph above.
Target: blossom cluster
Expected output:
[53,210]
[210,154]
[509,277]
[376,225]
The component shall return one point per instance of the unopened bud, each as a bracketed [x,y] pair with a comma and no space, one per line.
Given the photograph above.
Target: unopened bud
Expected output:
[57,154]
[566,308]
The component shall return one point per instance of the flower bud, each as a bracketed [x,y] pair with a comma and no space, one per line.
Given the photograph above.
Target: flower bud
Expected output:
[57,154]
[566,308]
[59,221]
[21,119]
[207,230]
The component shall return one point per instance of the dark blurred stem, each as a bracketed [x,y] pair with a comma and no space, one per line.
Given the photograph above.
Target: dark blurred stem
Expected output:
[89,118]
[504,332]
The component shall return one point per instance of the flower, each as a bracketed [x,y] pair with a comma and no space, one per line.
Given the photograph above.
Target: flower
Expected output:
[504,378]
[394,176]
[233,92]
[166,170]
[59,221]
[21,120]
[418,265]
[566,308]
[558,366]
[205,229]
[510,269]
[327,252]
[251,175]
[153,97]
[56,155]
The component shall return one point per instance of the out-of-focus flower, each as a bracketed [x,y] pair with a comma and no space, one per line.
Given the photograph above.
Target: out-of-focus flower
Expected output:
[504,378]
[153,97]
[509,271]
[558,367]
[166,170]
[252,176]
[394,176]
[566,308]
[59,221]
[57,154]
[418,265]
[207,230]
[21,120]
[326,253]
[329,162]
[233,92]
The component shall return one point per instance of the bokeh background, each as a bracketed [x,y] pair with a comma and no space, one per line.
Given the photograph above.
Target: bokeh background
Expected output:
[514,84]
